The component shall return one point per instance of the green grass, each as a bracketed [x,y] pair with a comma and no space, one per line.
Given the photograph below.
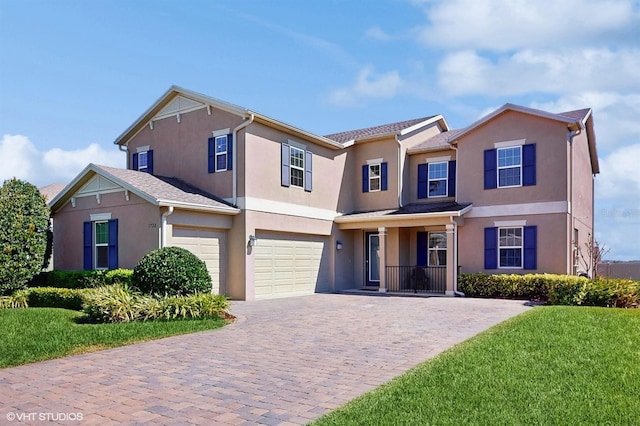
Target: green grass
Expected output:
[551,365]
[35,334]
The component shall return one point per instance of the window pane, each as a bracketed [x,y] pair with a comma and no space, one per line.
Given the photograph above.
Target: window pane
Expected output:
[511,257]
[221,144]
[438,170]
[297,158]
[102,257]
[437,187]
[374,184]
[102,233]
[437,240]
[509,176]
[297,177]
[509,157]
[221,162]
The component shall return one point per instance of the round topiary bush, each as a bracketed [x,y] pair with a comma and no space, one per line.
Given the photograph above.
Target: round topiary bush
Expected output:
[171,271]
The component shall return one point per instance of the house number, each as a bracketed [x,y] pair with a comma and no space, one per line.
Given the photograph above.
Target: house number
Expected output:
[153,225]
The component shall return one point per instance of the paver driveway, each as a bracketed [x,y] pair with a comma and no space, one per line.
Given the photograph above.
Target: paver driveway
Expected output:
[284,361]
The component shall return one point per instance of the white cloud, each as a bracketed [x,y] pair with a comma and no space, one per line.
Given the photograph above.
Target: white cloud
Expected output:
[21,159]
[528,71]
[502,25]
[377,33]
[620,174]
[368,85]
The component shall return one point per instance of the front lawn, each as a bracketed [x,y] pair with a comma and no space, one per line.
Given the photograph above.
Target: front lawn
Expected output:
[35,334]
[551,365]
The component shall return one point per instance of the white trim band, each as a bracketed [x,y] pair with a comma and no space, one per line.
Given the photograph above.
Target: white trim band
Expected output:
[548,207]
[99,216]
[509,223]
[279,207]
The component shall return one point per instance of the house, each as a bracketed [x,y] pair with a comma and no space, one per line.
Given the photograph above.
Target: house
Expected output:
[276,211]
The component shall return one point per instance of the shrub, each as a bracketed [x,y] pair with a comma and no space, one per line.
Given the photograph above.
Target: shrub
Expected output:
[554,289]
[118,303]
[171,271]
[52,297]
[17,300]
[81,279]
[24,221]
[118,276]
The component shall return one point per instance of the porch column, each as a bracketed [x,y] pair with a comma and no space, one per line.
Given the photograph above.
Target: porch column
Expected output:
[451,267]
[382,250]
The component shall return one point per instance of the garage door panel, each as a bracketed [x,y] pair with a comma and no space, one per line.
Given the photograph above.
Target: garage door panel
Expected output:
[206,244]
[288,265]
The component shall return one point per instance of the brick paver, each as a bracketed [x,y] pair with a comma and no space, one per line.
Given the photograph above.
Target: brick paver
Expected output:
[284,361]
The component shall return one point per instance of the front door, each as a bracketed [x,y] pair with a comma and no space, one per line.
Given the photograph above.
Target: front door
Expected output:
[372,259]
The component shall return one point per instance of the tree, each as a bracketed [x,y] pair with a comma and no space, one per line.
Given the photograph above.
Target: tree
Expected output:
[24,222]
[592,255]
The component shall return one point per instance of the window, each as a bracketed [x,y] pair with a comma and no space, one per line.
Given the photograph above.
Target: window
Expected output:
[374,177]
[438,179]
[510,247]
[100,243]
[143,161]
[221,153]
[437,249]
[509,166]
[297,166]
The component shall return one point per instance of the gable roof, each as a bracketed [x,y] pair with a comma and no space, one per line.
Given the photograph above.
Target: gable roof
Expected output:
[50,191]
[436,143]
[159,191]
[243,112]
[398,128]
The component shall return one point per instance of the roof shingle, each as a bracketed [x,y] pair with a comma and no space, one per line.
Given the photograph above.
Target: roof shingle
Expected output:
[374,131]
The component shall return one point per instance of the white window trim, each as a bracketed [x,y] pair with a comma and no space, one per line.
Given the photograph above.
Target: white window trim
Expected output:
[446,180]
[378,178]
[220,132]
[498,167]
[429,249]
[375,161]
[142,149]
[508,144]
[438,159]
[100,217]
[521,247]
[96,245]
[217,154]
[292,167]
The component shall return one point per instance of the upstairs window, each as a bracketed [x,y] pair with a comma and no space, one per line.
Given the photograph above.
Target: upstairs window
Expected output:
[220,152]
[143,161]
[374,176]
[509,166]
[296,167]
[296,156]
[438,179]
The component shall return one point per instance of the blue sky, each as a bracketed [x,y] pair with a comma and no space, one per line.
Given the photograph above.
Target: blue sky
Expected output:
[75,74]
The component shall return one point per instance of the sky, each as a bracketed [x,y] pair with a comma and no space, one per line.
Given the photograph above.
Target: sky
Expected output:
[75,74]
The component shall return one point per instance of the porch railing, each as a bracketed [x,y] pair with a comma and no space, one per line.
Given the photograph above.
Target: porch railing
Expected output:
[416,279]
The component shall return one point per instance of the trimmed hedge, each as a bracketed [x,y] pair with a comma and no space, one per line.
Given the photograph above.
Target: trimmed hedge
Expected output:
[81,279]
[52,297]
[553,289]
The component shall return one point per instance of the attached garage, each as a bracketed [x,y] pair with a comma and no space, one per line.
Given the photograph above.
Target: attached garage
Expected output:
[290,265]
[209,245]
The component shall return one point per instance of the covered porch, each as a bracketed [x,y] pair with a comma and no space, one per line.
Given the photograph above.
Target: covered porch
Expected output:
[411,250]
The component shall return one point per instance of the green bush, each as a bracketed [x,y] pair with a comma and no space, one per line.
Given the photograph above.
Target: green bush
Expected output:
[17,300]
[553,289]
[81,279]
[52,297]
[24,222]
[118,303]
[171,271]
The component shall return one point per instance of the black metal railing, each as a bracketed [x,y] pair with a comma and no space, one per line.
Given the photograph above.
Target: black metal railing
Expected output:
[416,279]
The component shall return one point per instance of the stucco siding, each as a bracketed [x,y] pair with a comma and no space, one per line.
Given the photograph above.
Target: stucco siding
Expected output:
[138,228]
[550,138]
[551,243]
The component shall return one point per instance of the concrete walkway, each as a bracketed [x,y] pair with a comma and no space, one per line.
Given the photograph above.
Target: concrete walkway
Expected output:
[284,361]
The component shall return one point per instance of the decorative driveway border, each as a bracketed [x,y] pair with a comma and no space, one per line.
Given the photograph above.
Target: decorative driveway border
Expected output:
[285,361]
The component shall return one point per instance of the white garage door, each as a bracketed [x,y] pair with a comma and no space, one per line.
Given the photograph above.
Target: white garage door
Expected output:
[207,245]
[290,265]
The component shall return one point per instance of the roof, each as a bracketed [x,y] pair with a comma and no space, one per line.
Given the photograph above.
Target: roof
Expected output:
[158,190]
[397,128]
[436,143]
[579,114]
[50,191]
[243,112]
[446,208]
